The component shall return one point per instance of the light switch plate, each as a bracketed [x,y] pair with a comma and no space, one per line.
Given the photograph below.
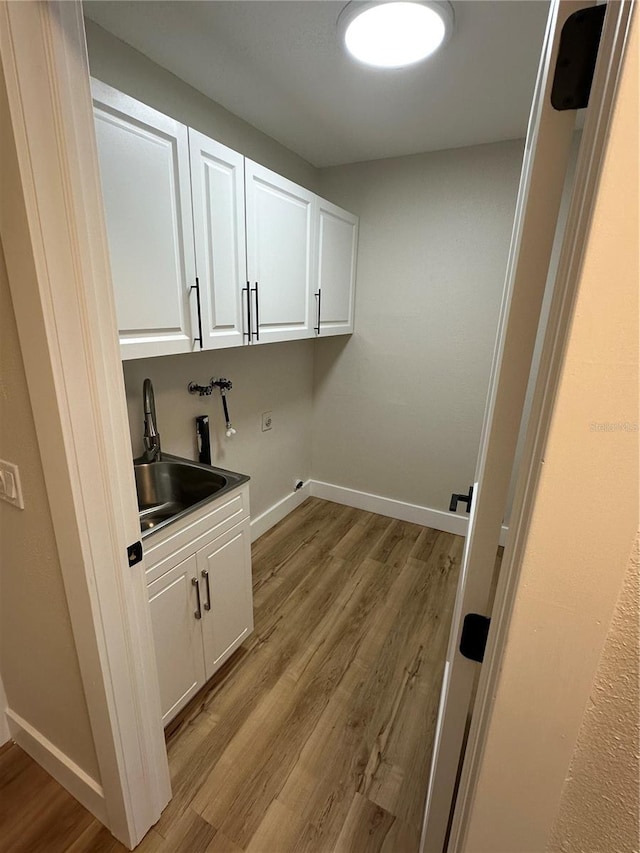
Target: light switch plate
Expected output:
[10,486]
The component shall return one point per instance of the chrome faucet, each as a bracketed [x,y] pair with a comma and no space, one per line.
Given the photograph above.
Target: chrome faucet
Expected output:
[152,451]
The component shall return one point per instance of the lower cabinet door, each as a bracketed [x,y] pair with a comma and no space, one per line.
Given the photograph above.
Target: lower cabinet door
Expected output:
[224,568]
[173,600]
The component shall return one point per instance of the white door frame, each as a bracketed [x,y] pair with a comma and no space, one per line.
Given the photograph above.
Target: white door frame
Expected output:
[54,240]
[591,155]
[544,168]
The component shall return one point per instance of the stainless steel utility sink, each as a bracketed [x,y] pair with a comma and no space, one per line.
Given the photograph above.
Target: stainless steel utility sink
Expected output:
[170,487]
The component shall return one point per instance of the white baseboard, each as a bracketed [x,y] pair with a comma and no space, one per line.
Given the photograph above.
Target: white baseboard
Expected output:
[65,771]
[448,522]
[278,511]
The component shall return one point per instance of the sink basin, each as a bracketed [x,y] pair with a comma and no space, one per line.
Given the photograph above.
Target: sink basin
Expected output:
[173,486]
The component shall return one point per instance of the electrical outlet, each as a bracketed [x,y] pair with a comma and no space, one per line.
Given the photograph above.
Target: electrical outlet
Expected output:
[10,487]
[267,421]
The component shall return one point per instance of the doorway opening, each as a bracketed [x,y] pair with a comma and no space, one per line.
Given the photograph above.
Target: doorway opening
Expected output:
[337,355]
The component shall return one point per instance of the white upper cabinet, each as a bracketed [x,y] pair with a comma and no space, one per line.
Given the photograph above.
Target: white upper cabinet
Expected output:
[336,279]
[280,256]
[144,166]
[217,183]
[209,249]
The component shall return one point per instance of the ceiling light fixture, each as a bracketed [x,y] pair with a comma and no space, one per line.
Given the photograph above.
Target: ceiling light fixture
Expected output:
[395,34]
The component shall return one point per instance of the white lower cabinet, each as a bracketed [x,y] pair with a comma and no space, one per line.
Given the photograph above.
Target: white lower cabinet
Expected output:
[224,569]
[178,636]
[201,601]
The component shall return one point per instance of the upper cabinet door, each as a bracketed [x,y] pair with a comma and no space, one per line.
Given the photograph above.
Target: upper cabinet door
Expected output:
[337,249]
[144,166]
[217,185]
[280,256]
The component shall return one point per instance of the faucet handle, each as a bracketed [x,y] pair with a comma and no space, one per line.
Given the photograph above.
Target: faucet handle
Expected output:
[222,383]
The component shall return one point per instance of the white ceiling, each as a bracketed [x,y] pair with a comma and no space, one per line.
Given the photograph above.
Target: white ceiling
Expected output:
[279,65]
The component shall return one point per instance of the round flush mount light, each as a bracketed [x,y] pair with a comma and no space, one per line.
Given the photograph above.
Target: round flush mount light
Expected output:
[395,34]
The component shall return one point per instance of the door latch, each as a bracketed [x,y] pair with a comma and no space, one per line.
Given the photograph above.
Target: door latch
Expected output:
[134,553]
[473,640]
[465,499]
[577,57]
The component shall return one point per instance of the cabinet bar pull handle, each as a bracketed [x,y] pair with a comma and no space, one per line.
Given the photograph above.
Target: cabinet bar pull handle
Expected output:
[196,287]
[198,611]
[248,334]
[256,334]
[318,296]
[205,575]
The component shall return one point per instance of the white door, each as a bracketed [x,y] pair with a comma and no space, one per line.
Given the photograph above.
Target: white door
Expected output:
[176,615]
[337,248]
[280,256]
[217,185]
[144,167]
[225,578]
[545,163]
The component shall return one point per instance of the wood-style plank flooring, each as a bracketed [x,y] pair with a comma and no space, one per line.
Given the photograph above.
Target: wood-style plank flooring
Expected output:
[315,736]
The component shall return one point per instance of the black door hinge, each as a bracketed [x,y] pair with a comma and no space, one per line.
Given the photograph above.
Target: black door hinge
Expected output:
[134,553]
[465,499]
[473,641]
[577,57]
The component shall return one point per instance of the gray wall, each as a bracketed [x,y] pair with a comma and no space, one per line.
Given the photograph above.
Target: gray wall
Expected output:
[120,65]
[399,405]
[273,377]
[38,659]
